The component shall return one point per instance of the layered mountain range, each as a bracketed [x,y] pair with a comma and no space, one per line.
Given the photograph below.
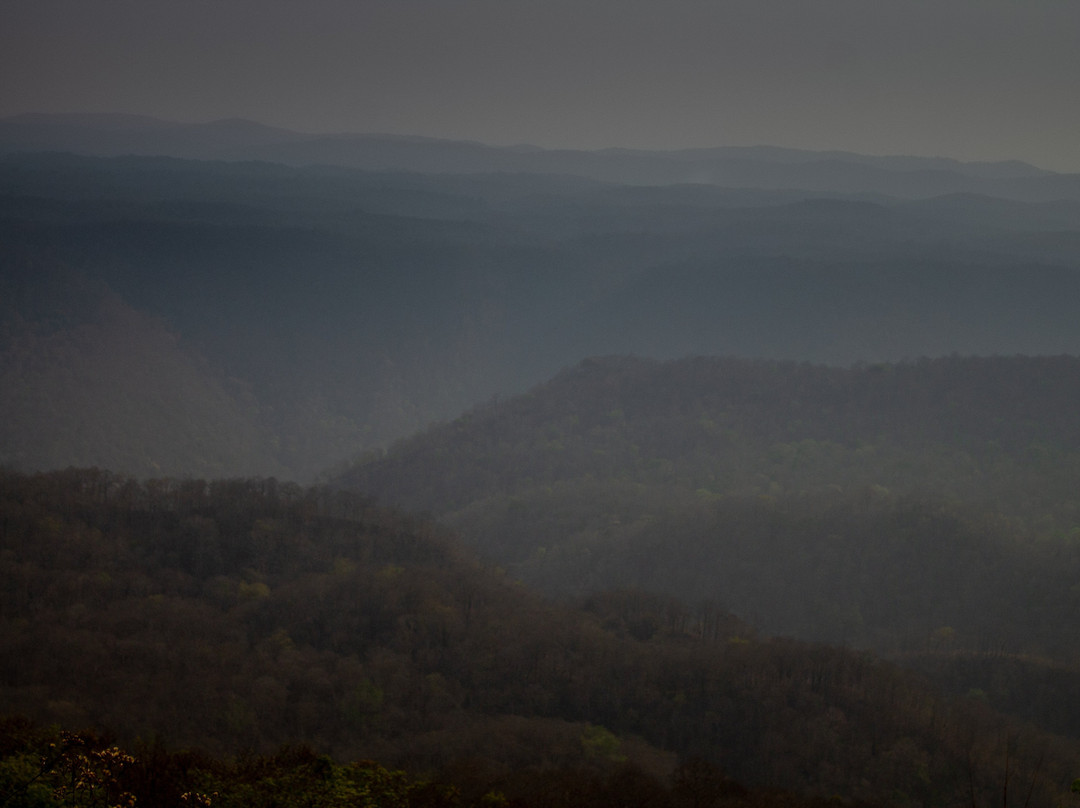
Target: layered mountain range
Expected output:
[331,302]
[727,477]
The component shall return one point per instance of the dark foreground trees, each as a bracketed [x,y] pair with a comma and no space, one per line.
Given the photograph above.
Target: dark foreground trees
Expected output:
[241,616]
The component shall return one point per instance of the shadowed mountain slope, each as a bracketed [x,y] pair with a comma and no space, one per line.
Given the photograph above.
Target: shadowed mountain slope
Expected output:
[86,379]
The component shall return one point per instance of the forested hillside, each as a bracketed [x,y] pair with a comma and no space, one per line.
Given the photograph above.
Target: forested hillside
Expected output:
[240,615]
[881,505]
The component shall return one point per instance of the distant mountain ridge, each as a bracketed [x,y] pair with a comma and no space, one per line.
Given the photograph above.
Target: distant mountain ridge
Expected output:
[745,167]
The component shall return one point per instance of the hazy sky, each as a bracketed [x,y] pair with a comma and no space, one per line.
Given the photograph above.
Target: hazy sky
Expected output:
[974,79]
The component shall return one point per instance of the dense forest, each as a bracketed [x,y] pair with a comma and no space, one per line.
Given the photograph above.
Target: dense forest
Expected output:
[238,616]
[994,431]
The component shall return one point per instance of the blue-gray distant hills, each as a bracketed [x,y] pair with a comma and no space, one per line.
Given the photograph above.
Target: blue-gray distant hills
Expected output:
[742,167]
[162,312]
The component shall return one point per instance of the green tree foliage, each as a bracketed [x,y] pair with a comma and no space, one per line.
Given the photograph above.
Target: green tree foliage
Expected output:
[244,615]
